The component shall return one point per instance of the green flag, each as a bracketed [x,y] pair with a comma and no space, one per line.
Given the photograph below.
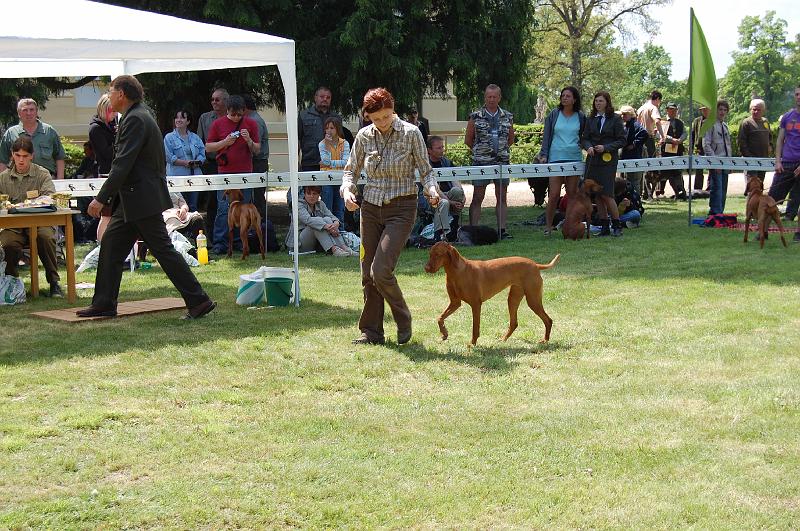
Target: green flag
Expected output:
[702,78]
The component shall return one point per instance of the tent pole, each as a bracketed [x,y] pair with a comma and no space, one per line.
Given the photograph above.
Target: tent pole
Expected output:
[691,113]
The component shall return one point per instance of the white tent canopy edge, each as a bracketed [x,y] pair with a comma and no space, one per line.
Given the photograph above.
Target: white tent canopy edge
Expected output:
[82,38]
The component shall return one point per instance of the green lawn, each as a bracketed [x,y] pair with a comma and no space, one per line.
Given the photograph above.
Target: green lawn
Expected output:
[669,396]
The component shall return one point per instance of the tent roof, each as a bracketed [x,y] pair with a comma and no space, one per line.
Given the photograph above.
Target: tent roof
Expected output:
[82,38]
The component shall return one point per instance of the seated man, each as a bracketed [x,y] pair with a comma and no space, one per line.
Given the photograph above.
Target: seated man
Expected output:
[452,199]
[26,180]
[178,218]
[629,202]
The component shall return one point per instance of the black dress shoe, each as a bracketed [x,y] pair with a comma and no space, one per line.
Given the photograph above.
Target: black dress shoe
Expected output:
[364,339]
[95,311]
[55,291]
[196,312]
[403,336]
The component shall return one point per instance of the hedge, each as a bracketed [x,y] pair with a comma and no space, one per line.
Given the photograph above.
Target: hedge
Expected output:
[527,144]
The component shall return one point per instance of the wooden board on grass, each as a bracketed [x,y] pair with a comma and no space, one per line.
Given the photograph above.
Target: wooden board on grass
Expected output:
[124,309]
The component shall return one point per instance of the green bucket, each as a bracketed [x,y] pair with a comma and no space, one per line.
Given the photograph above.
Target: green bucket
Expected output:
[279,291]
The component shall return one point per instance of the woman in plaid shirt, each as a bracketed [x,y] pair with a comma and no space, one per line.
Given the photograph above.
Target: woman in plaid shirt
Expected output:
[389,151]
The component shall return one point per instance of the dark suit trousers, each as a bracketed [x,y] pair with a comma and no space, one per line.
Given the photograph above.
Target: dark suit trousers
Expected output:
[117,243]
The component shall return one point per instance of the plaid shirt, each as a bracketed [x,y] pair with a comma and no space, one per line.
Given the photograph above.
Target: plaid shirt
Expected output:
[389,162]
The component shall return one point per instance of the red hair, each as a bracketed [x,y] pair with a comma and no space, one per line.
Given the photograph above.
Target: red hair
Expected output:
[378,98]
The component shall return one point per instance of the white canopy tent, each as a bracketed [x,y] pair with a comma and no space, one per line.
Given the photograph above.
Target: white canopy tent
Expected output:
[82,38]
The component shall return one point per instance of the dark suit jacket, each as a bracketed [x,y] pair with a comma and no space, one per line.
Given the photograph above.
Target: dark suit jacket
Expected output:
[612,138]
[636,136]
[137,182]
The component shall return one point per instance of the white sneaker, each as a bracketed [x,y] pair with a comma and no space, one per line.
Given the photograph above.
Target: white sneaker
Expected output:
[338,251]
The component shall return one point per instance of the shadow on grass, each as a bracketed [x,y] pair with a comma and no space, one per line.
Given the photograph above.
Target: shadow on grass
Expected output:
[495,358]
[55,340]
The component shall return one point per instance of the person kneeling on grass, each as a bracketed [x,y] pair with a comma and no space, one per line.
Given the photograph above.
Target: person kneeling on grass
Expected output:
[317,226]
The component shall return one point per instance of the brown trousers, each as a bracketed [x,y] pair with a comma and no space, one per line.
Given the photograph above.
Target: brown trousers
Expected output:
[384,233]
[14,240]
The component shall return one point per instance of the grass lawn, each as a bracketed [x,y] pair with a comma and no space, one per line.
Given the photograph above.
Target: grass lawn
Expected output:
[669,396]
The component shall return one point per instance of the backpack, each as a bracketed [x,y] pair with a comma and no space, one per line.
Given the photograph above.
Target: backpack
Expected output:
[271,244]
[477,235]
[720,220]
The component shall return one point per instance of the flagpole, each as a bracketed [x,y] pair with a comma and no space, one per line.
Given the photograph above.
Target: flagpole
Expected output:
[691,114]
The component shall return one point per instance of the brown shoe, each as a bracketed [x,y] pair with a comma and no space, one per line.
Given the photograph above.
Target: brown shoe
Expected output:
[196,312]
[96,311]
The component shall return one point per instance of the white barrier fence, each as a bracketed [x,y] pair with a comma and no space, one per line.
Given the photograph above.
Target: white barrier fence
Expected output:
[90,187]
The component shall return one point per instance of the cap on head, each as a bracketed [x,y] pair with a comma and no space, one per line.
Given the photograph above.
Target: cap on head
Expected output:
[672,105]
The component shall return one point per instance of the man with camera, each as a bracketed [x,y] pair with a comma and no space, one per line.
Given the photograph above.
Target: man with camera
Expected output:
[234,137]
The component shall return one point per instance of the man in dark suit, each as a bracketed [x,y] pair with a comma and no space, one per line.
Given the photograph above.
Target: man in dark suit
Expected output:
[136,193]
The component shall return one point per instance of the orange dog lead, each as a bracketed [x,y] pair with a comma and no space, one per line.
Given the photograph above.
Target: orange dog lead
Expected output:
[476,281]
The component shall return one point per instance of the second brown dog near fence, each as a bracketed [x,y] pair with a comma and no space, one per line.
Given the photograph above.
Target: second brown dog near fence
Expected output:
[763,208]
[579,210]
[245,216]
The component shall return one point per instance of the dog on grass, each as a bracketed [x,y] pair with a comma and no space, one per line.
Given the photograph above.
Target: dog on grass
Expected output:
[763,208]
[477,281]
[579,210]
[245,216]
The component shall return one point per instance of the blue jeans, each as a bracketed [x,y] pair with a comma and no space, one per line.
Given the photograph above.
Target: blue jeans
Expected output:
[330,196]
[221,221]
[634,216]
[718,180]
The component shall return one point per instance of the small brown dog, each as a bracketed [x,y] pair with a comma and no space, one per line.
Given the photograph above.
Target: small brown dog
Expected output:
[579,209]
[245,216]
[476,281]
[763,208]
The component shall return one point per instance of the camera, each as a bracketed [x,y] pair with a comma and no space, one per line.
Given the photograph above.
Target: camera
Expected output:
[235,134]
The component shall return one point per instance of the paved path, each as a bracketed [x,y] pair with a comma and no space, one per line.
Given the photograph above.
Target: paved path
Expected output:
[519,194]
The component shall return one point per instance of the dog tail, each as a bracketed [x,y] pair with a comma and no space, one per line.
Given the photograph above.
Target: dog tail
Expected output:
[552,263]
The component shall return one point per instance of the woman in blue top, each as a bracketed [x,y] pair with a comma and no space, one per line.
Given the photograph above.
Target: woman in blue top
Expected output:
[561,143]
[185,153]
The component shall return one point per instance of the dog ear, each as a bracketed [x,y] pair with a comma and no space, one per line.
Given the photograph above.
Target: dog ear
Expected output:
[455,257]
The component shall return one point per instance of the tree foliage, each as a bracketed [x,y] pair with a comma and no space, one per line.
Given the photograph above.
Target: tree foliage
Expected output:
[579,36]
[408,46]
[764,66]
[40,89]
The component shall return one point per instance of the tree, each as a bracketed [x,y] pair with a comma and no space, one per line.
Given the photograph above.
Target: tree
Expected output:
[40,89]
[408,46]
[645,70]
[581,32]
[761,67]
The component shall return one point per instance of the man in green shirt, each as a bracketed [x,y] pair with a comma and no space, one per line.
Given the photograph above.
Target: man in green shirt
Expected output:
[47,149]
[26,180]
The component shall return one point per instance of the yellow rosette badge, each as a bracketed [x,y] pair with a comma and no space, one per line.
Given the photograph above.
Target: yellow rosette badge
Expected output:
[606,157]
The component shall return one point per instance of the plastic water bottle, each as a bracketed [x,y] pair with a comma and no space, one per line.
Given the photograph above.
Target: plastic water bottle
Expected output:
[202,248]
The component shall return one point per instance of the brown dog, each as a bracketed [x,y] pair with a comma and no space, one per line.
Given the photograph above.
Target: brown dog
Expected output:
[763,208]
[579,209]
[476,281]
[244,216]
